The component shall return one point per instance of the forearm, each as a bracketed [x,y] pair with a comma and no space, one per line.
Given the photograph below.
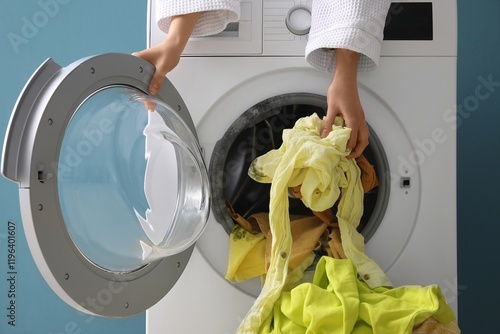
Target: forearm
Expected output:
[346,68]
[181,28]
[343,91]
[165,56]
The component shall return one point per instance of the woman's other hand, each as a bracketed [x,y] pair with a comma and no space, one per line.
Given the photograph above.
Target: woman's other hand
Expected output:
[343,100]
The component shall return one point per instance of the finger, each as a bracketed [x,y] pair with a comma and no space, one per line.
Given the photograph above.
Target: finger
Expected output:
[356,152]
[329,120]
[353,138]
[327,127]
[359,148]
[156,83]
[150,106]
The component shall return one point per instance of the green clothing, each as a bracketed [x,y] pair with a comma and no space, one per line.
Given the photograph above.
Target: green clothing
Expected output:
[320,166]
[337,302]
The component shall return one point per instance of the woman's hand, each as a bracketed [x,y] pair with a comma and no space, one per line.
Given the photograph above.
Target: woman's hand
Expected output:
[166,55]
[343,100]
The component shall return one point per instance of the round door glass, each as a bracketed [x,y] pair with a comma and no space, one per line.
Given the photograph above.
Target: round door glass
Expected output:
[132,183]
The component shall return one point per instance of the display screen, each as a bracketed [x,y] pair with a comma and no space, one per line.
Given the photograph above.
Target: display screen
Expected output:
[409,22]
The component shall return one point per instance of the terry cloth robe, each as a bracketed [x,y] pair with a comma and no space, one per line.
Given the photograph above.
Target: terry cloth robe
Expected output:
[216,14]
[356,25]
[337,302]
[320,166]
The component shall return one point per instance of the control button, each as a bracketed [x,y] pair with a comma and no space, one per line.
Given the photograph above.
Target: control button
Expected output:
[405,182]
[298,20]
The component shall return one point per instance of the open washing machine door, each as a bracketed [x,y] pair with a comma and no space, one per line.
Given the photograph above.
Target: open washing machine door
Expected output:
[113,188]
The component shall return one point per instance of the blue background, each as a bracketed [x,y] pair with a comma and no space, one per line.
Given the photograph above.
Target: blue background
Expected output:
[73,30]
[478,165]
[82,28]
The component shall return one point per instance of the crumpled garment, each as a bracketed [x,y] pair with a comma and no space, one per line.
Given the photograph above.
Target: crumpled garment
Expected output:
[333,245]
[250,253]
[369,179]
[320,166]
[246,259]
[432,326]
[337,302]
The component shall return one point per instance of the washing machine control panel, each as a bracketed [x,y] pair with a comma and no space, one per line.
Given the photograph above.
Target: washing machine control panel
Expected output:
[281,27]
[265,28]
[285,27]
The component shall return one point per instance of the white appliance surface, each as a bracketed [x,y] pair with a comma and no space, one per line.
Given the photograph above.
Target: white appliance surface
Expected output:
[409,101]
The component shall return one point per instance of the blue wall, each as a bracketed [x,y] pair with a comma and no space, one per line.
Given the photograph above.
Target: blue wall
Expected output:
[478,165]
[66,30]
[72,29]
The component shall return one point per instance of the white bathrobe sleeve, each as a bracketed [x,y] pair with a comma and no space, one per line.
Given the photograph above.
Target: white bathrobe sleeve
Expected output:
[216,14]
[356,25]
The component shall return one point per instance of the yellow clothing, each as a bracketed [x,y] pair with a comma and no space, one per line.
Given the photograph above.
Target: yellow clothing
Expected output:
[248,253]
[307,235]
[337,302]
[320,166]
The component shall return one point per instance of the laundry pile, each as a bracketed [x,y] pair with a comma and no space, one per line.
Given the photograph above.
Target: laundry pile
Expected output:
[349,292]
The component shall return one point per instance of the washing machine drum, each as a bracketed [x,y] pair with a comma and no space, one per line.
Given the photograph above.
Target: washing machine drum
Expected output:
[113,188]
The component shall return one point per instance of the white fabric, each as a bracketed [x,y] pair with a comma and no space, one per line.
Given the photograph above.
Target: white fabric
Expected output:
[356,25]
[216,14]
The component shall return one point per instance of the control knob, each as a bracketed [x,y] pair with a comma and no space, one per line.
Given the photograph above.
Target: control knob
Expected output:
[298,20]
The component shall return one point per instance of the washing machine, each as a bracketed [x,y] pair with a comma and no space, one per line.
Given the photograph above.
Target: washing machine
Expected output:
[246,84]
[125,209]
